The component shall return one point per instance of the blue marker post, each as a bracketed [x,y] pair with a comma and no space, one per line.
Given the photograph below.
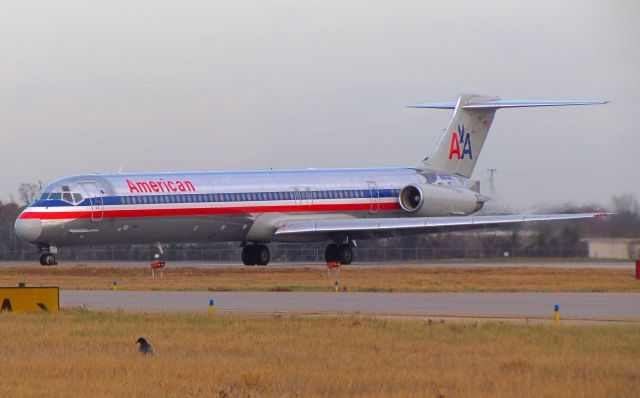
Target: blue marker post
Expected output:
[211,306]
[556,314]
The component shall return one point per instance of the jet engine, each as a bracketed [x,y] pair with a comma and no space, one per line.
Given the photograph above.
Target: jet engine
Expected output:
[425,200]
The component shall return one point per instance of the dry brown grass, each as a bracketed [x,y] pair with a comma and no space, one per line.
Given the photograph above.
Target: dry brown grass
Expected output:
[86,353]
[386,279]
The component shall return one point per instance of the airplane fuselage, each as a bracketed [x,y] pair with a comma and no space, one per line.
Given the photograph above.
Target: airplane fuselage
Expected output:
[240,206]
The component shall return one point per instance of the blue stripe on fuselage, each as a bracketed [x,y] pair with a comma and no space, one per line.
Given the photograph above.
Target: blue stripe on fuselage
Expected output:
[338,194]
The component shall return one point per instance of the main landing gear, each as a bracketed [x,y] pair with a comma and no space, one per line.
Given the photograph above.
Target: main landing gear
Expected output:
[341,253]
[255,255]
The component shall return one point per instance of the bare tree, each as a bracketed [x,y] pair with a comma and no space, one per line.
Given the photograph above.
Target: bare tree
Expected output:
[27,192]
[626,204]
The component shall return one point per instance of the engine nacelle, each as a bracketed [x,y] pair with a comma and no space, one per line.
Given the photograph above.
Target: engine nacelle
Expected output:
[424,200]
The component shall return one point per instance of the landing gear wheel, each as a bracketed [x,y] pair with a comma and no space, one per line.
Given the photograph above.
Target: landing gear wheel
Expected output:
[345,254]
[249,255]
[48,259]
[262,255]
[331,253]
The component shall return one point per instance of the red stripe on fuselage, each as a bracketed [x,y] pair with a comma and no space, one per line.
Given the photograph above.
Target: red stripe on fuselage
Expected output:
[205,211]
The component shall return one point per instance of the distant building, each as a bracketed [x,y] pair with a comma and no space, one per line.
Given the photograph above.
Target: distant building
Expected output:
[614,248]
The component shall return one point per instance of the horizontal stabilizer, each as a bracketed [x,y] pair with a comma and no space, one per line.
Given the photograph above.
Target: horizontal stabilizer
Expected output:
[498,103]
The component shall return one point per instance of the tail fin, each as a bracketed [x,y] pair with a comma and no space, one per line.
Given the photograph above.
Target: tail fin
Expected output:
[459,147]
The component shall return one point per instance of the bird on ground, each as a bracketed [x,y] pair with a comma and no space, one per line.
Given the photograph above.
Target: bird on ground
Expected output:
[145,347]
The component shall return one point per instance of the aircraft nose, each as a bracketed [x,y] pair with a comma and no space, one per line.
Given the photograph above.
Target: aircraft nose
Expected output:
[28,229]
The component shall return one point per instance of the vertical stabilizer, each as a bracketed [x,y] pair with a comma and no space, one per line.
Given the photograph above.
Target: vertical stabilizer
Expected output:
[459,147]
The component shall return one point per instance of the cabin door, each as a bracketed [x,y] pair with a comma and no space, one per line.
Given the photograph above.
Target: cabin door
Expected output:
[375,197]
[93,192]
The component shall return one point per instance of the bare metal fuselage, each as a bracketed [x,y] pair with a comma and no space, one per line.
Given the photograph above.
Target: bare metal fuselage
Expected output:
[229,206]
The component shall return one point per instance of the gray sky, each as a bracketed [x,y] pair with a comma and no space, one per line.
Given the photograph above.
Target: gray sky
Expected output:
[94,86]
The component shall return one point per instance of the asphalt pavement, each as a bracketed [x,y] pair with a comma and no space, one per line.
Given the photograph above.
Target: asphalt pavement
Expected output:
[585,306]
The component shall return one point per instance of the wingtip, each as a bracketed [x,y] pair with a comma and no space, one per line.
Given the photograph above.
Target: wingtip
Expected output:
[603,214]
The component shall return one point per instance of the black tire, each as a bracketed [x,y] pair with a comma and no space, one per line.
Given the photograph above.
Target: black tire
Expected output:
[48,259]
[249,255]
[262,255]
[331,253]
[345,254]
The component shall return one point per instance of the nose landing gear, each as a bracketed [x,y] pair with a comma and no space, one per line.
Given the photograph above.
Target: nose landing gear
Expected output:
[255,255]
[48,257]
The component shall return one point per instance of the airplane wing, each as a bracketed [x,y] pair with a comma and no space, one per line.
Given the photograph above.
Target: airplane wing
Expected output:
[398,226]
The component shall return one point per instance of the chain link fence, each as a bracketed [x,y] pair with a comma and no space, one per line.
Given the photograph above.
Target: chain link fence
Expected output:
[293,253]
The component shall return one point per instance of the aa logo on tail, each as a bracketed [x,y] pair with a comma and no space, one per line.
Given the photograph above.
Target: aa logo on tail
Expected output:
[460,139]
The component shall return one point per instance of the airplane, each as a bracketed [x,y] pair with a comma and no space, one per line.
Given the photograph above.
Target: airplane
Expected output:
[254,208]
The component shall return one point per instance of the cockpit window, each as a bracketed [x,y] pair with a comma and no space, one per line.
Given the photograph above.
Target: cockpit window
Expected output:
[77,197]
[55,196]
[65,188]
[44,196]
[66,196]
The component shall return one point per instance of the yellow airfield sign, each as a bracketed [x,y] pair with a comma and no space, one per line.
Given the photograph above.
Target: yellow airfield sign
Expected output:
[30,299]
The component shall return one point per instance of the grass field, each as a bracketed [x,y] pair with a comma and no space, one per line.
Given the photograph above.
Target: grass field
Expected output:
[382,279]
[86,353]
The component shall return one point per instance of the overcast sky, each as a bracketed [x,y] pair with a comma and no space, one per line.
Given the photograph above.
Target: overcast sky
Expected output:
[97,86]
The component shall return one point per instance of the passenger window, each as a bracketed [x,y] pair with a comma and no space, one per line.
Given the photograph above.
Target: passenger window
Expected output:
[77,197]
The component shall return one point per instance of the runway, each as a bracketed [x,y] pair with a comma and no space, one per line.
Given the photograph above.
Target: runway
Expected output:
[582,306]
[425,263]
